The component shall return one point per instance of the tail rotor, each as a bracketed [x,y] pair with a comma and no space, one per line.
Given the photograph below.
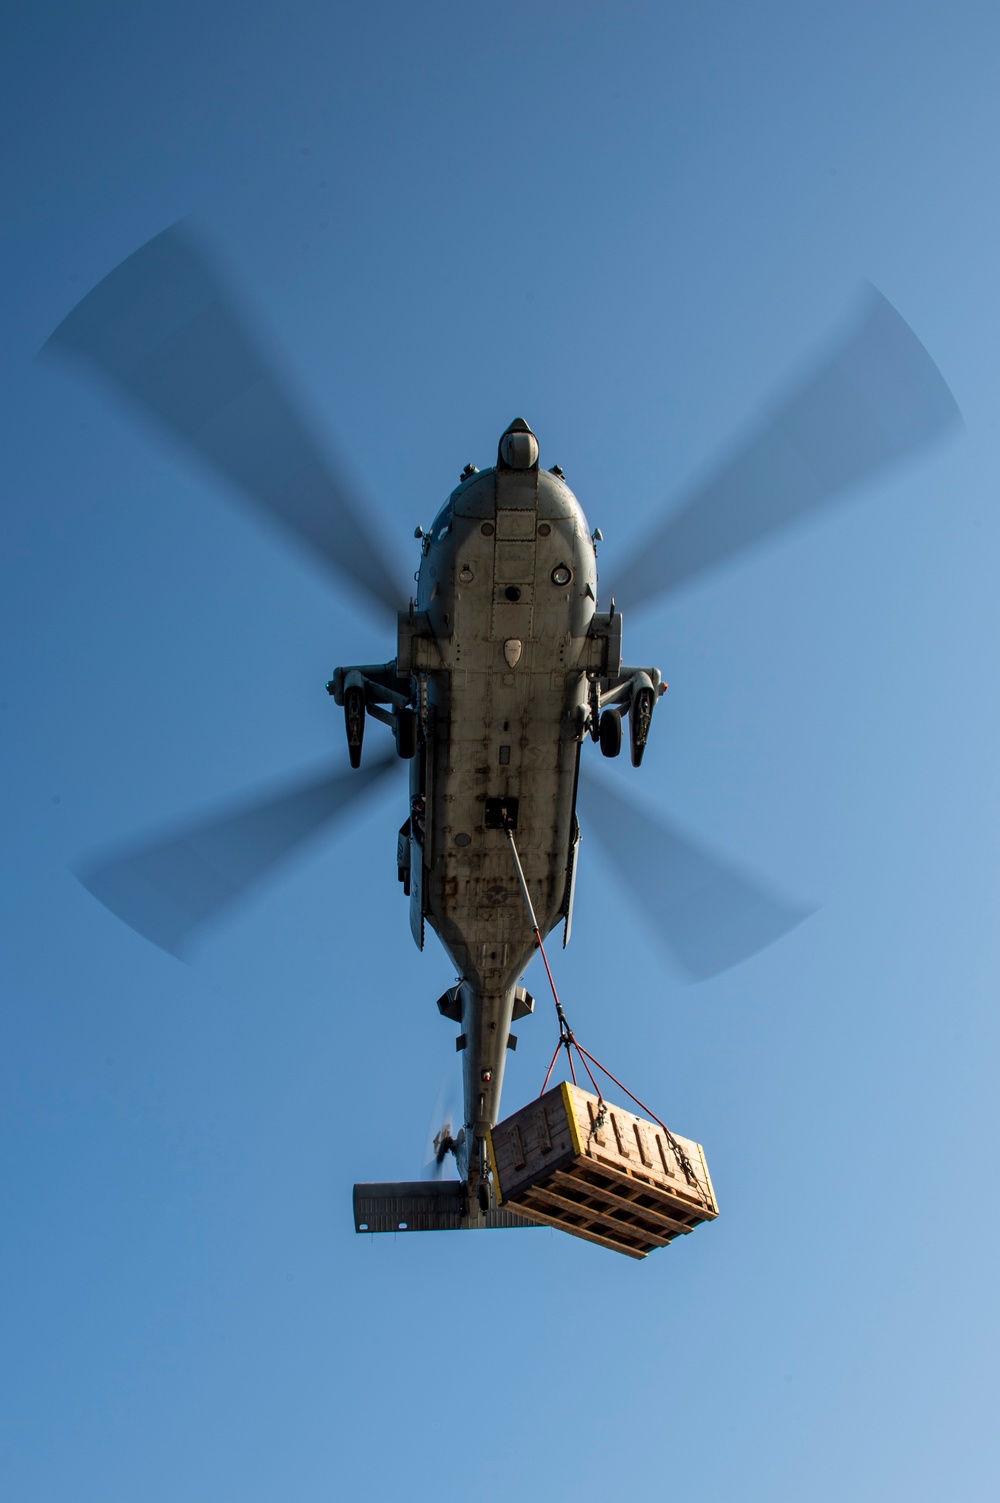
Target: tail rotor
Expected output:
[441,1139]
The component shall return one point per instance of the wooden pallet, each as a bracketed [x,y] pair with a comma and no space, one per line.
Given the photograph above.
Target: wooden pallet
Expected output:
[617,1180]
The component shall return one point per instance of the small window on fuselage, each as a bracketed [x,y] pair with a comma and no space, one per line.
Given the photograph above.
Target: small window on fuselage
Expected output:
[442,521]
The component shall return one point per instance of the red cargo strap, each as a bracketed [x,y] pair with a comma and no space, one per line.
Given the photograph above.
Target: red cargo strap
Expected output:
[568,1040]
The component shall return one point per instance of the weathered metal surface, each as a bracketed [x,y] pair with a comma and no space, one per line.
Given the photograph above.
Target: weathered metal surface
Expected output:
[503,706]
[506,665]
[615,1179]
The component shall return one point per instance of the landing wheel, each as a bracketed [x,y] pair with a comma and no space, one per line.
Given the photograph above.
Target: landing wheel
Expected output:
[639,719]
[611,733]
[406,732]
[354,716]
[483,1194]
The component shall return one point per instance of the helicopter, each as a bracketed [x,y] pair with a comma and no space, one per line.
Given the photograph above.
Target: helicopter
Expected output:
[504,665]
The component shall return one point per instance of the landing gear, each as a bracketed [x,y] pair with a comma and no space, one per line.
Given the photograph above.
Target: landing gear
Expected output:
[403,857]
[639,717]
[633,692]
[611,733]
[379,691]
[354,716]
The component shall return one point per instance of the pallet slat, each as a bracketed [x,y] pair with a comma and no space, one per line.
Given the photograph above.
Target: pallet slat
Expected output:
[543,1218]
[579,1218]
[614,1202]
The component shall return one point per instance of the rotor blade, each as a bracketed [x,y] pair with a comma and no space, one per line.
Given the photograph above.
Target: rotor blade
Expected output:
[169,887]
[161,329]
[446,1118]
[709,914]
[875,397]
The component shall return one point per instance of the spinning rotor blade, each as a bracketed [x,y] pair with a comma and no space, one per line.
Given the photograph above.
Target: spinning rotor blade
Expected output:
[443,1128]
[170,887]
[709,915]
[161,329]
[876,397]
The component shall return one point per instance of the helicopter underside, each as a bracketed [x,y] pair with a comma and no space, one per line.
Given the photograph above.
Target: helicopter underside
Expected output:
[507,597]
[504,665]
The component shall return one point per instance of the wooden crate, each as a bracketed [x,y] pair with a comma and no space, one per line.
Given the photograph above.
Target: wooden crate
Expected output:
[621,1182]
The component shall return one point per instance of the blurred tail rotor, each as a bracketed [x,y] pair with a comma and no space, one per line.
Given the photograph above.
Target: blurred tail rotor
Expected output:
[443,1128]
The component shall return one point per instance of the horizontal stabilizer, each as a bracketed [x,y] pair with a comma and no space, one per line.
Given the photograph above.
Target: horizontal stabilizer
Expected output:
[426,1206]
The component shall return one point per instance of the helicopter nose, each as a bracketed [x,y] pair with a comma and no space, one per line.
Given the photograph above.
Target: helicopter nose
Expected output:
[519,446]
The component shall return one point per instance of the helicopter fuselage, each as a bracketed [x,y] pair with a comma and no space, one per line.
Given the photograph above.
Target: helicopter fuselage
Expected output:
[508,664]
[504,664]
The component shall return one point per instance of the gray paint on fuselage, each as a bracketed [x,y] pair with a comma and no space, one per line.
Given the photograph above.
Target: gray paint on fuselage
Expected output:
[501,730]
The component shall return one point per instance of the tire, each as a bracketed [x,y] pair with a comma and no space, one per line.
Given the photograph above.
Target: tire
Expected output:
[406,732]
[611,733]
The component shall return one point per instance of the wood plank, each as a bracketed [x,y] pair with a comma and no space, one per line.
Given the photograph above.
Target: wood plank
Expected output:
[696,1199]
[642,1233]
[534,1214]
[649,1135]
[621,1202]
[631,1186]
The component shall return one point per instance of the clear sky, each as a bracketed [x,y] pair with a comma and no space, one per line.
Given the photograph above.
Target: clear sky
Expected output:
[628,223]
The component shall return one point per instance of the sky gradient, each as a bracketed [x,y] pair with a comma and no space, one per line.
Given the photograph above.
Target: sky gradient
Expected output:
[630,225]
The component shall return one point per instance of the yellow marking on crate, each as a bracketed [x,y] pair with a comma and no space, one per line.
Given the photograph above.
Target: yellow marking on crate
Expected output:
[571,1116]
[708,1178]
[493,1166]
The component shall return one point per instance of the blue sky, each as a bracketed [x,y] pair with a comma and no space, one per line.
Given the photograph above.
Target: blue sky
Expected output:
[629,224]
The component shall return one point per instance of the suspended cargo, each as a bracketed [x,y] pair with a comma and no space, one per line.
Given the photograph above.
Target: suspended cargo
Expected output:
[575,1162]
